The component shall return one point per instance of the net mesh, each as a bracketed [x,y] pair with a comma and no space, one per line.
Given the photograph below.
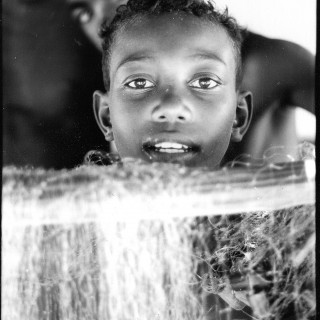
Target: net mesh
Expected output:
[68,253]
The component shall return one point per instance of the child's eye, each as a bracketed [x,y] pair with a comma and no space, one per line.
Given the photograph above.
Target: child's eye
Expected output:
[203,83]
[81,13]
[140,84]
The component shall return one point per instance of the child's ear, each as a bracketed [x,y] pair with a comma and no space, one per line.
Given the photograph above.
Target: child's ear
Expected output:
[102,113]
[243,116]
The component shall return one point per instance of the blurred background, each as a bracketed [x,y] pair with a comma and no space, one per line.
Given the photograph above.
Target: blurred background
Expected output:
[50,70]
[51,66]
[283,19]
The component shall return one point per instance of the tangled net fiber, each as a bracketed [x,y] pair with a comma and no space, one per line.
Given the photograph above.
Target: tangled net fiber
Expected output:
[100,264]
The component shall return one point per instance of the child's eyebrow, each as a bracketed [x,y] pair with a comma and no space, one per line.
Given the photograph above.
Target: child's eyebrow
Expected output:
[206,55]
[150,56]
[137,56]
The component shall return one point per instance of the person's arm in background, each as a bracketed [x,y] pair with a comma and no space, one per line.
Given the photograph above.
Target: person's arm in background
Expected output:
[278,70]
[280,75]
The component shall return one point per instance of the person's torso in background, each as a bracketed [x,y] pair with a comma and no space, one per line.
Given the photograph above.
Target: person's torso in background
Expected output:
[50,71]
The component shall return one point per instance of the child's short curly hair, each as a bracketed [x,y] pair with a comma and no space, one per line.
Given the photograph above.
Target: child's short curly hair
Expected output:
[139,8]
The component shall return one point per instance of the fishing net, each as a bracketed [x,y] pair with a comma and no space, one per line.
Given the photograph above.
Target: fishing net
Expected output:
[159,241]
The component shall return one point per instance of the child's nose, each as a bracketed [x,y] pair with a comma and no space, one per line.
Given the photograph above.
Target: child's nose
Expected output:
[171,109]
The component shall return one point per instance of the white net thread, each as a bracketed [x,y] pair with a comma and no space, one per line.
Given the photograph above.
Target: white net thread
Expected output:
[77,246]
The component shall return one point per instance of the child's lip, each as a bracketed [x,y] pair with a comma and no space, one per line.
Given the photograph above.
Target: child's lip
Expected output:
[170,144]
[170,149]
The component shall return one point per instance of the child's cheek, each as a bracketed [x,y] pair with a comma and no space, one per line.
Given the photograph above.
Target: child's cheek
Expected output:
[137,104]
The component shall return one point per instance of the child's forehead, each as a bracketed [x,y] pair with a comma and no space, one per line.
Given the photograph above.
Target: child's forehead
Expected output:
[180,31]
[172,25]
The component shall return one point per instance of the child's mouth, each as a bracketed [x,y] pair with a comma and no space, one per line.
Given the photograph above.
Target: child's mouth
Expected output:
[171,147]
[170,151]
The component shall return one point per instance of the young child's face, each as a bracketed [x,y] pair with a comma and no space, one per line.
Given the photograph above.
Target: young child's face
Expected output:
[173,94]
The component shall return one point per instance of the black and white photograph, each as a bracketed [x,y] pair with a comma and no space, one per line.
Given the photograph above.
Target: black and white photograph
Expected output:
[158,160]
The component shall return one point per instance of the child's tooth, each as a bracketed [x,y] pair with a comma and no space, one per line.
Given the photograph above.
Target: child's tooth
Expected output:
[171,150]
[167,145]
[172,145]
